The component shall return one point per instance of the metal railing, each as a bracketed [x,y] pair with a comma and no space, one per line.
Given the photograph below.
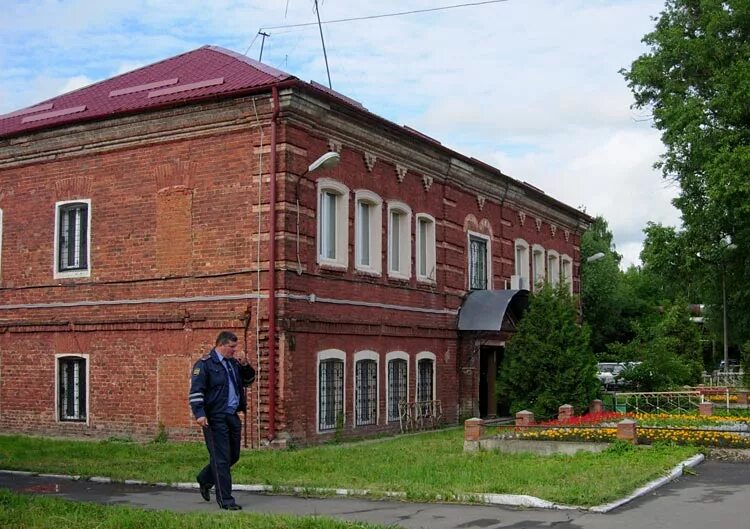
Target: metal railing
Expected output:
[724,378]
[657,401]
[419,415]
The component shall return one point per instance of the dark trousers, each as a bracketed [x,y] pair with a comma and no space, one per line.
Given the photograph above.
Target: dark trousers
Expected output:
[222,438]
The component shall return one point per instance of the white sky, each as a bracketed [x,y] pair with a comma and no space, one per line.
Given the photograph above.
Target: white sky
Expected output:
[530,86]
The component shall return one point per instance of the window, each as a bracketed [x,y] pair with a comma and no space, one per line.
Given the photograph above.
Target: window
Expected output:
[567,271]
[399,240]
[538,266]
[330,390]
[398,382]
[72,375]
[368,231]
[425,247]
[72,238]
[366,388]
[425,376]
[479,262]
[521,278]
[553,268]
[333,223]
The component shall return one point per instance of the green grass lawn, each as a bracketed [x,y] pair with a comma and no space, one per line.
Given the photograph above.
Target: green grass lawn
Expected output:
[425,467]
[37,512]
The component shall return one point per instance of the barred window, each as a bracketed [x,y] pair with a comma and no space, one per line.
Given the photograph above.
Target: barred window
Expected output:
[477,263]
[366,392]
[397,386]
[425,370]
[331,393]
[72,238]
[71,387]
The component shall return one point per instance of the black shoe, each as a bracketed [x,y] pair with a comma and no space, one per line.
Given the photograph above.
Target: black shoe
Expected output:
[232,507]
[205,491]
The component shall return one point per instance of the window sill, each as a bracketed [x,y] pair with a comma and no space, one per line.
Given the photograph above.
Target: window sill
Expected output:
[332,266]
[370,272]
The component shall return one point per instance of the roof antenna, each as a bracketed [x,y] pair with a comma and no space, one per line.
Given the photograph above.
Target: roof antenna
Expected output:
[325,56]
[262,42]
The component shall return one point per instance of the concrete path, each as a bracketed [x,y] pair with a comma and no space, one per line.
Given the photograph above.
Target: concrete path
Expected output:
[717,497]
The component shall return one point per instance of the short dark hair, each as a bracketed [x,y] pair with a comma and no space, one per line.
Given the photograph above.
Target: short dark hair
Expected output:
[225,337]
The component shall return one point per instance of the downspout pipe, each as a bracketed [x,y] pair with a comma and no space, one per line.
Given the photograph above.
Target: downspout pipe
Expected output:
[272,271]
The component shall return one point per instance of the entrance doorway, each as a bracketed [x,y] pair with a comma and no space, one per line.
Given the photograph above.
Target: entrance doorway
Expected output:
[491,405]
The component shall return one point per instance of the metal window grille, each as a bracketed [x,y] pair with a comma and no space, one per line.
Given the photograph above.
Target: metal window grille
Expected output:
[73,237]
[367,392]
[72,389]
[424,380]
[331,396]
[477,264]
[397,387]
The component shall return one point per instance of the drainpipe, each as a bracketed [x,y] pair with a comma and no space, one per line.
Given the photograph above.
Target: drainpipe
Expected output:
[272,276]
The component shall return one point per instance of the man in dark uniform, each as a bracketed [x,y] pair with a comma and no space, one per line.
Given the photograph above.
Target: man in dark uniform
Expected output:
[216,395]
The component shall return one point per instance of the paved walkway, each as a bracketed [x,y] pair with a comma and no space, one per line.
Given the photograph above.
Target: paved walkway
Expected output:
[717,497]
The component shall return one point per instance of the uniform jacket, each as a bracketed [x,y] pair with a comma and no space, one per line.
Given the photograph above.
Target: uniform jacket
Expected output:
[208,388]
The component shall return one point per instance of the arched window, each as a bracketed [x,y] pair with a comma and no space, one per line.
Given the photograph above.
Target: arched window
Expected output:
[398,382]
[365,388]
[399,240]
[333,223]
[368,229]
[330,389]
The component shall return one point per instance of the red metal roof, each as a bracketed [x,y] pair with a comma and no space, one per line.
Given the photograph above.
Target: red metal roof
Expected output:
[206,72]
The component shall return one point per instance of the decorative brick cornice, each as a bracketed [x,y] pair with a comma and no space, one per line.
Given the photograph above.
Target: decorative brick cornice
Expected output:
[480,201]
[334,146]
[370,160]
[426,182]
[73,187]
[400,173]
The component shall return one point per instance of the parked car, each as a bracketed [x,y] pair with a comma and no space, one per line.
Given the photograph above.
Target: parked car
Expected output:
[609,373]
[734,365]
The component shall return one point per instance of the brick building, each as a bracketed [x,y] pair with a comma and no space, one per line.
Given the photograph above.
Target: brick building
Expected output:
[135,223]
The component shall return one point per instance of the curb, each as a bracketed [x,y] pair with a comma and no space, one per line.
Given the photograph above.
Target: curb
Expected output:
[509,500]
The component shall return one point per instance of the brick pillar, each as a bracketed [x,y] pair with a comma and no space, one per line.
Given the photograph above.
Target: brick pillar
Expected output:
[524,418]
[597,406]
[742,397]
[565,412]
[706,408]
[473,429]
[627,431]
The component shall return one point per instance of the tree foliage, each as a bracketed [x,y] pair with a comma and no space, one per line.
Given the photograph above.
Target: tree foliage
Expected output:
[549,362]
[695,79]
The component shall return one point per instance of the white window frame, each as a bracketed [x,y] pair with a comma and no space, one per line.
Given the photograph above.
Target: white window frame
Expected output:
[394,355]
[87,363]
[374,240]
[488,264]
[538,272]
[566,262]
[84,272]
[404,254]
[329,354]
[341,235]
[522,265]
[553,268]
[430,264]
[367,355]
[426,355]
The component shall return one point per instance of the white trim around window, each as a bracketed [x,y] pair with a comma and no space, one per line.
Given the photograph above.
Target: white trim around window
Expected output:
[472,267]
[81,235]
[537,266]
[566,269]
[330,354]
[399,240]
[360,356]
[390,357]
[425,248]
[368,231]
[333,224]
[521,263]
[553,268]
[84,398]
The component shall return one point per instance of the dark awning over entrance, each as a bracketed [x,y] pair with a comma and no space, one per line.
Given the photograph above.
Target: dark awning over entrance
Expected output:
[492,310]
